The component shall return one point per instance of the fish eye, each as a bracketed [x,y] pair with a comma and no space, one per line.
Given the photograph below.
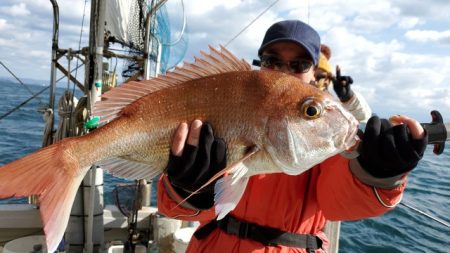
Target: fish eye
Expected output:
[311,109]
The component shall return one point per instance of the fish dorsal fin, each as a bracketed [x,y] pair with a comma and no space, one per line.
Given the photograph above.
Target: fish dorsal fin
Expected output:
[216,62]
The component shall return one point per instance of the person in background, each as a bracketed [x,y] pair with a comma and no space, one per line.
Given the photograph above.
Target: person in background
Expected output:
[280,212]
[353,101]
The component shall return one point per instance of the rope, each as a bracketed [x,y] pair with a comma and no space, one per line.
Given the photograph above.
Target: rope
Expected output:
[67,103]
[384,203]
[80,116]
[247,26]
[426,215]
[47,137]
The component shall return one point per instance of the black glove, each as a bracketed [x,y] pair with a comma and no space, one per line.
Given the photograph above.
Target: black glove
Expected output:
[196,166]
[341,85]
[388,151]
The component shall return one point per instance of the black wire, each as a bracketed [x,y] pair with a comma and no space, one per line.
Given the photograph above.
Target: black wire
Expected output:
[24,85]
[35,95]
[247,26]
[23,103]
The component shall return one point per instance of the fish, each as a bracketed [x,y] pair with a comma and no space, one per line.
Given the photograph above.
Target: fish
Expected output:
[272,122]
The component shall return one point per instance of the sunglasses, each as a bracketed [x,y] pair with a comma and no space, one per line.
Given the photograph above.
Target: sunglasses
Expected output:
[323,79]
[296,66]
[319,74]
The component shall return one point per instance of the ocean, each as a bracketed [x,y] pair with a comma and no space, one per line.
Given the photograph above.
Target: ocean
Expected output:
[401,230]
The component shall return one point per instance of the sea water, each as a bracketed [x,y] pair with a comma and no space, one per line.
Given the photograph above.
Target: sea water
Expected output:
[400,230]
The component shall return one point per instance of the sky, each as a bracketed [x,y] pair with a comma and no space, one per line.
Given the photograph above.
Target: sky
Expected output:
[397,51]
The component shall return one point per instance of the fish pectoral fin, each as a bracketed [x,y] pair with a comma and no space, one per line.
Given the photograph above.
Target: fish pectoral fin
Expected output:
[121,167]
[238,170]
[228,190]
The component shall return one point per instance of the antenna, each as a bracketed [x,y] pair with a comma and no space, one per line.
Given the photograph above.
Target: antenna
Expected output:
[239,33]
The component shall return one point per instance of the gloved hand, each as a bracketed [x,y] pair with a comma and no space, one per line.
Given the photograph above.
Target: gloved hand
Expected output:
[196,166]
[341,85]
[389,151]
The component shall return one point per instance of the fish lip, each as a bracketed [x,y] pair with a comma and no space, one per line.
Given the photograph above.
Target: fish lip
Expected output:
[350,139]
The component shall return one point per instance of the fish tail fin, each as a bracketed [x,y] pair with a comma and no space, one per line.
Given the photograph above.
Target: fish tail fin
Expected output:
[53,175]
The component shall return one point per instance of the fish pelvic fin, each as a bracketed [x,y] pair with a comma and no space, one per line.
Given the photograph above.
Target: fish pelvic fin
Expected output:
[51,174]
[216,62]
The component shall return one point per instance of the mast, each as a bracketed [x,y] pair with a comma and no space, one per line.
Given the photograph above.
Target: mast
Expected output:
[48,137]
[85,231]
[96,44]
[94,228]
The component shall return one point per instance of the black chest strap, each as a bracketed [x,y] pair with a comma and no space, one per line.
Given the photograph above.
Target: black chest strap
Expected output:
[266,235]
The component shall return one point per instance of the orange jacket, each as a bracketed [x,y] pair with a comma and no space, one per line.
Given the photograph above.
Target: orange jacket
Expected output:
[297,204]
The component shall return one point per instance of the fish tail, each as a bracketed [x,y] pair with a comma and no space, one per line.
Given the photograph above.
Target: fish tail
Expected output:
[53,175]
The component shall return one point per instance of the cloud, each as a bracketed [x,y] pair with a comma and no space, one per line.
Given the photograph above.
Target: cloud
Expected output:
[413,84]
[430,9]
[409,22]
[2,24]
[390,78]
[370,40]
[17,10]
[219,25]
[425,36]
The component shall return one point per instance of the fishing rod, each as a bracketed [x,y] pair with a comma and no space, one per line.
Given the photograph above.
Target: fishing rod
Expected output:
[438,132]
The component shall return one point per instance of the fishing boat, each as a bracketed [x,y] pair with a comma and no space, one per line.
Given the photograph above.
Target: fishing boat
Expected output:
[132,222]
[141,28]
[136,33]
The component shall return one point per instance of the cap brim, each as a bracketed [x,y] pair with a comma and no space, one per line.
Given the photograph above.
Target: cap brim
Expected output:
[308,50]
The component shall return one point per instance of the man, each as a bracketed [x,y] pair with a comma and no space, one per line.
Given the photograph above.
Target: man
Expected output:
[278,212]
[353,101]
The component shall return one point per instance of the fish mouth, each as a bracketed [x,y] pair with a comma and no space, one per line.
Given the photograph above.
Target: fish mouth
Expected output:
[351,138]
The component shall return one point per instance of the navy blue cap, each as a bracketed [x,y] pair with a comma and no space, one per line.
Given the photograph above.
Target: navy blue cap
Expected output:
[294,31]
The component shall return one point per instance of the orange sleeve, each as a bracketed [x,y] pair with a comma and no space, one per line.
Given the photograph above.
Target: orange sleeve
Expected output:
[342,196]
[168,204]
